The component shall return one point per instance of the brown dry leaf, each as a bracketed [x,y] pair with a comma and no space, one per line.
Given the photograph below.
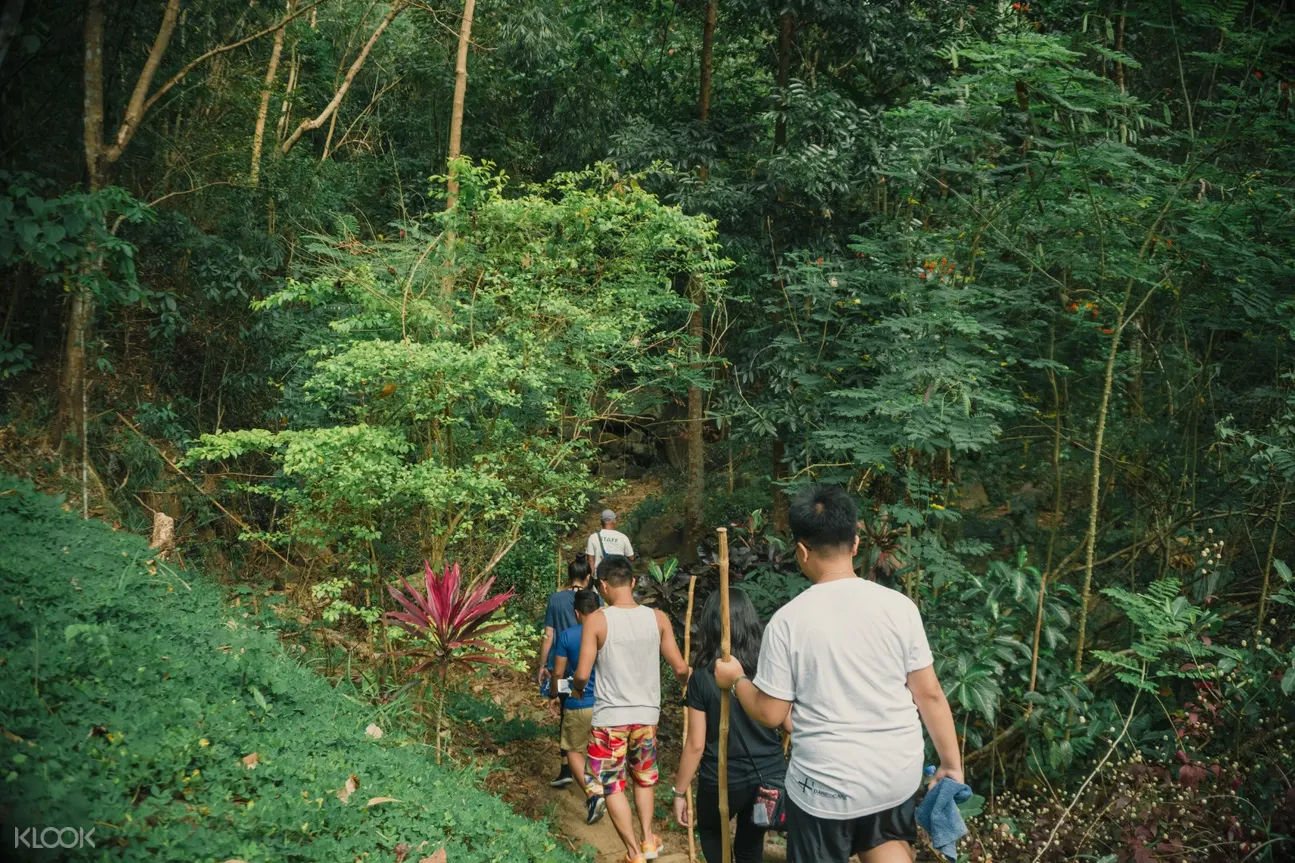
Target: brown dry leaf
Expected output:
[374,801]
[352,783]
[434,857]
[402,851]
[250,761]
[373,731]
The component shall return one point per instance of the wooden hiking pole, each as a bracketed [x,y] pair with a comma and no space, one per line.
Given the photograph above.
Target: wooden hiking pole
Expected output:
[687,656]
[561,569]
[726,700]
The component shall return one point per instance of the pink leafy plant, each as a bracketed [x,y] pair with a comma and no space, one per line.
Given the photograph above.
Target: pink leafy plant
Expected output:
[452,618]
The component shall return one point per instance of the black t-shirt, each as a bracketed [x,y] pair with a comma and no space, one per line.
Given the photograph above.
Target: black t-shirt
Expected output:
[765,763]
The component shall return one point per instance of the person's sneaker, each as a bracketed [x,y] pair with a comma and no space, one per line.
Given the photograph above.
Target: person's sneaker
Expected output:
[595,809]
[563,778]
[651,848]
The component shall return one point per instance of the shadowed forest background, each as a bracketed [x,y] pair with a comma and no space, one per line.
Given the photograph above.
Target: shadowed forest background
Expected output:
[346,286]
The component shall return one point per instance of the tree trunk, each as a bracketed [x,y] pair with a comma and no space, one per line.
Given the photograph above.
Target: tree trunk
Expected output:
[785,32]
[779,515]
[258,137]
[460,93]
[707,52]
[71,389]
[308,125]
[696,454]
[1268,564]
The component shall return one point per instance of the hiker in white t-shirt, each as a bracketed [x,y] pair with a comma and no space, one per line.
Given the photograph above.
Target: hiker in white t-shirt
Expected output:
[849,660]
[607,540]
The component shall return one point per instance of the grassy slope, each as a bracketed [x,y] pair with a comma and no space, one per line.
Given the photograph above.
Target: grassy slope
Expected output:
[129,695]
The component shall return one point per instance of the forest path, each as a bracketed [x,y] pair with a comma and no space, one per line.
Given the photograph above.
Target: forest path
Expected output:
[524,784]
[620,501]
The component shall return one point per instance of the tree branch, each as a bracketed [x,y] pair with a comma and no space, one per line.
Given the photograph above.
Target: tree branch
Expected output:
[136,107]
[307,125]
[198,61]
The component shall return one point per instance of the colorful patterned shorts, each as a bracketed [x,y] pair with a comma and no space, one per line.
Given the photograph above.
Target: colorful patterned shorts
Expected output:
[612,749]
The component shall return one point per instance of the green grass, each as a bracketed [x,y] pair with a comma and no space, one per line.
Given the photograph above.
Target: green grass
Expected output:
[129,699]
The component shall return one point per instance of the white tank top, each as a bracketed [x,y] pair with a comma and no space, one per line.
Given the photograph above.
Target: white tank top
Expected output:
[629,669]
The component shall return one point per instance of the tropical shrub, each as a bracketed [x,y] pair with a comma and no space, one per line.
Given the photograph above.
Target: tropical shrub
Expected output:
[452,620]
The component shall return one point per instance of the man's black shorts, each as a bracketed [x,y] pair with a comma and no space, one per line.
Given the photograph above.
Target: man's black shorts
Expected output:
[811,839]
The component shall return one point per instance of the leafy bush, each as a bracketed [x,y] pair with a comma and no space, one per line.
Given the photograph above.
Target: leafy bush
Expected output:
[133,701]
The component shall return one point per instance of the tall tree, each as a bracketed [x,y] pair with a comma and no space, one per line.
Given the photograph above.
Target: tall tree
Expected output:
[696,489]
[100,156]
[258,136]
[460,94]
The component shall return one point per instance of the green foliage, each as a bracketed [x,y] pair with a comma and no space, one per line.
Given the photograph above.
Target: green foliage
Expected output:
[59,235]
[431,397]
[132,699]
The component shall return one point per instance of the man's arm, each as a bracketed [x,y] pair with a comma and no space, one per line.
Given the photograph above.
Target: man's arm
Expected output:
[559,672]
[545,647]
[629,548]
[764,709]
[595,632]
[670,647]
[933,707]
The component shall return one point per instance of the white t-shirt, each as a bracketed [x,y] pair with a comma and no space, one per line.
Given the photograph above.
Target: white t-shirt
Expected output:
[841,652]
[613,540]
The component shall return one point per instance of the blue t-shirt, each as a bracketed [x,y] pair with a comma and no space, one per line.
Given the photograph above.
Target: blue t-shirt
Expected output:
[569,646]
[561,612]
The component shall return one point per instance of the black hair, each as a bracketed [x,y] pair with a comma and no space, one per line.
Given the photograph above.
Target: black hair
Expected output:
[586,601]
[746,631]
[616,570]
[824,518]
[578,569]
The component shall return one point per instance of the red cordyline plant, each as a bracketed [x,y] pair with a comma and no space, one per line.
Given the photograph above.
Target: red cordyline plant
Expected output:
[452,619]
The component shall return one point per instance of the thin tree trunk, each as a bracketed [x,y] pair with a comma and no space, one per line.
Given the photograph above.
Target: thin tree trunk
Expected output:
[324,115]
[1119,67]
[285,108]
[1268,564]
[707,53]
[779,472]
[81,306]
[258,137]
[1056,515]
[1122,317]
[696,454]
[1094,491]
[785,33]
[460,95]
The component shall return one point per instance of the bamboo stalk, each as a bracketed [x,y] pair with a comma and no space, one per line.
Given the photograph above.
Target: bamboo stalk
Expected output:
[687,658]
[726,699]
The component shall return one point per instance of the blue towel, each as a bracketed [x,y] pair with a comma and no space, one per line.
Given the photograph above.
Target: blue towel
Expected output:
[939,816]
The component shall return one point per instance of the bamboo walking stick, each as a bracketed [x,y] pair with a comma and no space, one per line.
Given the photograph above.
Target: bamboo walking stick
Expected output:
[561,569]
[726,700]
[687,655]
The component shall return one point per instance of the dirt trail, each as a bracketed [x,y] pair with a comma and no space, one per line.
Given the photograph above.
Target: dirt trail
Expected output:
[530,764]
[621,501]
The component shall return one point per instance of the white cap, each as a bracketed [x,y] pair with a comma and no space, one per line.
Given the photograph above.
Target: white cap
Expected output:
[608,515]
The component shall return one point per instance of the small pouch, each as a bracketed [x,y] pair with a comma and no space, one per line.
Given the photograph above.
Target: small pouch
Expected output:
[770,808]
